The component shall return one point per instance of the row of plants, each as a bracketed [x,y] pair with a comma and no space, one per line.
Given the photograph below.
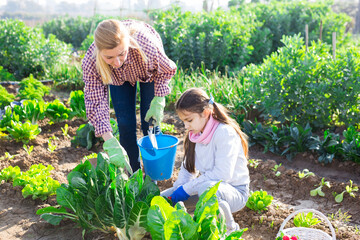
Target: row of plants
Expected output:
[105,199]
[36,182]
[245,34]
[234,38]
[291,86]
[290,140]
[20,121]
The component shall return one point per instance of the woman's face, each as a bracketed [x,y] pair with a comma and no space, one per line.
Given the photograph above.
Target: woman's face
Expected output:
[194,122]
[116,56]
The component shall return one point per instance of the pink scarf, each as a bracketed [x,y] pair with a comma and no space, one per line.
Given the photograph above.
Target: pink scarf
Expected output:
[205,137]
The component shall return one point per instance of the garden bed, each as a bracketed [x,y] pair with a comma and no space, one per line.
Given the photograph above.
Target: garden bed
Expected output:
[19,221]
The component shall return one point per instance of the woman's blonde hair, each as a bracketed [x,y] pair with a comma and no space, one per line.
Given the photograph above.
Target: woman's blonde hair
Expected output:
[108,35]
[195,100]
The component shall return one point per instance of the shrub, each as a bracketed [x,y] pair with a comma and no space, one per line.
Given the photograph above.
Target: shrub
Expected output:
[25,50]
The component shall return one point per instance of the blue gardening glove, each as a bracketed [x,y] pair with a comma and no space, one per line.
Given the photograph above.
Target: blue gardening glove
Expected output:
[117,154]
[179,195]
[156,110]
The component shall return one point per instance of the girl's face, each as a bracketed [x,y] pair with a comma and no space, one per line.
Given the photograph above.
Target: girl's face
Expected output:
[116,56]
[194,122]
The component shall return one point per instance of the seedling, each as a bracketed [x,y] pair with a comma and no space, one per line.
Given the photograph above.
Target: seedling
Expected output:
[349,189]
[305,220]
[51,147]
[305,173]
[7,156]
[254,163]
[275,169]
[28,149]
[65,131]
[272,224]
[318,190]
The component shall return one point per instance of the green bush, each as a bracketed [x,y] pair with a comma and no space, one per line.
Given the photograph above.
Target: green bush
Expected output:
[5,75]
[289,18]
[218,39]
[293,85]
[72,30]
[25,50]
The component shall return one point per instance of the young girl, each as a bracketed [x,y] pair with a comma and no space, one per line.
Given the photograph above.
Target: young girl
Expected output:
[216,148]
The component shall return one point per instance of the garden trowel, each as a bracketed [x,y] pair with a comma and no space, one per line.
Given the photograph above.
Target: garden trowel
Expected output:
[151,134]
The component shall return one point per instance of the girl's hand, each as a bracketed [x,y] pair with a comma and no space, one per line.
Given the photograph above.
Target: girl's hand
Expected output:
[179,195]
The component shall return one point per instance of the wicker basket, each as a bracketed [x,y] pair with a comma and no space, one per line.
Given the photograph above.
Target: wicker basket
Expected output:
[307,233]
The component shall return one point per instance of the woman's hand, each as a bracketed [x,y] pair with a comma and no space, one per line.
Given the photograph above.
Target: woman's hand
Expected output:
[156,110]
[117,154]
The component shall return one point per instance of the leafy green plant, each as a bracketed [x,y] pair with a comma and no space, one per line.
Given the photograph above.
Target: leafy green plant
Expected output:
[167,128]
[51,146]
[77,104]
[298,140]
[32,110]
[350,148]
[7,156]
[85,136]
[23,132]
[305,173]
[104,198]
[254,163]
[65,131]
[305,220]
[10,173]
[268,137]
[31,88]
[259,200]
[56,111]
[328,147]
[28,149]
[35,182]
[8,117]
[318,190]
[5,97]
[349,189]
[275,169]
[167,222]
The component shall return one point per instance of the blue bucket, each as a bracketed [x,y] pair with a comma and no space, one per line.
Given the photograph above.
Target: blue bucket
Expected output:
[158,163]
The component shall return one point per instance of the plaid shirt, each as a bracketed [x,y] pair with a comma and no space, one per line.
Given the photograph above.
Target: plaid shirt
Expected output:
[158,68]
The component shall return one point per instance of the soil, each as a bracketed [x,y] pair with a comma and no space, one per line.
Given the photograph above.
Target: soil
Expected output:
[19,221]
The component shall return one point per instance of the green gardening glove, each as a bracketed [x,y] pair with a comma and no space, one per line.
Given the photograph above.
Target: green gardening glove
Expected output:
[156,110]
[117,154]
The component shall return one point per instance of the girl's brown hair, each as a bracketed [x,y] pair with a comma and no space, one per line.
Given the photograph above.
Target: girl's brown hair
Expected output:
[195,100]
[108,35]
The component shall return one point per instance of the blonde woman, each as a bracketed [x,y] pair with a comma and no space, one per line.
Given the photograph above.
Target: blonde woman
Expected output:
[123,54]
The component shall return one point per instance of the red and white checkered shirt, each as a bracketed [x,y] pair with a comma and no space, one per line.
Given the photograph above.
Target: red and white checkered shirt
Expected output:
[158,68]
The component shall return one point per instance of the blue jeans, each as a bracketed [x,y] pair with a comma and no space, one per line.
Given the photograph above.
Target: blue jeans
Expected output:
[124,101]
